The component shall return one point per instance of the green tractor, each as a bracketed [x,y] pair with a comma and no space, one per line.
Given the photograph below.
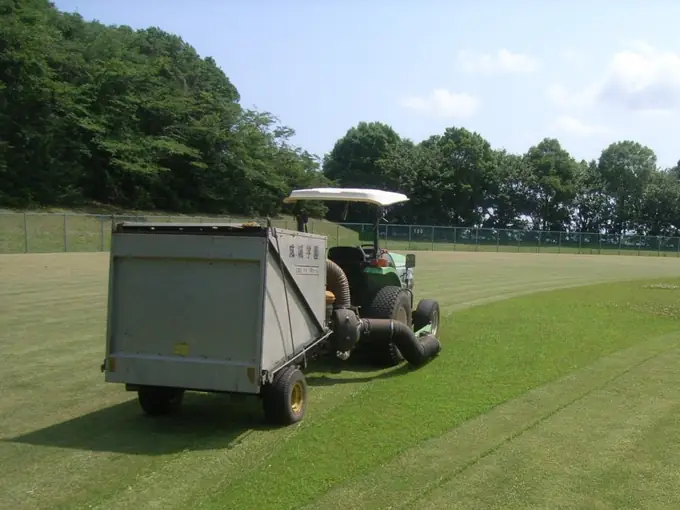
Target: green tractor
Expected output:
[380,282]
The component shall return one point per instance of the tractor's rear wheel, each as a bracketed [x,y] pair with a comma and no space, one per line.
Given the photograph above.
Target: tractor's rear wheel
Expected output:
[390,302]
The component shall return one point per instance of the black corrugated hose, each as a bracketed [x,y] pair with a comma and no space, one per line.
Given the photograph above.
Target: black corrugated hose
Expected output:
[337,283]
[417,351]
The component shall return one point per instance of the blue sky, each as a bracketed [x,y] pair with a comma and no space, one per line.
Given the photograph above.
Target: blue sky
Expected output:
[586,72]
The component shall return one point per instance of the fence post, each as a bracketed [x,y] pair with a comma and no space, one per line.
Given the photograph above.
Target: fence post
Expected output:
[498,240]
[477,239]
[599,239]
[409,236]
[559,244]
[25,233]
[658,243]
[432,246]
[101,220]
[580,239]
[65,232]
[538,249]
[455,237]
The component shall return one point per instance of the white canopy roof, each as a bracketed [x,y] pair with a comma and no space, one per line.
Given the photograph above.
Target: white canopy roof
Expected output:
[371,196]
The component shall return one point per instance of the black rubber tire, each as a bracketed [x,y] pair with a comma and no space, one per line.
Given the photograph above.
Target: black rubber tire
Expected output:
[427,311]
[280,405]
[387,303]
[158,400]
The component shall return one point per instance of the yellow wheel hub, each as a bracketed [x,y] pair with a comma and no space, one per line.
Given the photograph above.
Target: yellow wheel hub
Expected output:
[297,398]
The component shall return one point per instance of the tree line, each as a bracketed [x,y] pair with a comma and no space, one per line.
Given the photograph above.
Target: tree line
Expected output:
[95,114]
[458,179]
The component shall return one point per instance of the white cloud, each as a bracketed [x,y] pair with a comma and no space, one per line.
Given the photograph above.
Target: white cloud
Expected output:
[443,103]
[641,79]
[574,58]
[572,126]
[503,61]
[559,95]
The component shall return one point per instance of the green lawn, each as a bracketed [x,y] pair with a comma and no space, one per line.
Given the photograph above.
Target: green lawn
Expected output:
[540,398]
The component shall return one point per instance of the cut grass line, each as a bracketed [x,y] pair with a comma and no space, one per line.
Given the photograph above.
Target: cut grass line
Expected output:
[421,469]
[615,448]
[415,501]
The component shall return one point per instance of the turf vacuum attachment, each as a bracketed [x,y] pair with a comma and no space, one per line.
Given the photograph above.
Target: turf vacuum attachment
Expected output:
[240,309]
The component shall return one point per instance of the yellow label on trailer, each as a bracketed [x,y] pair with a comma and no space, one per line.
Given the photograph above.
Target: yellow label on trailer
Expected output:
[181,349]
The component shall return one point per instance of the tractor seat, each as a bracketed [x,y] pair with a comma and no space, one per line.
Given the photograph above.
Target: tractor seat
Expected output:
[351,260]
[351,254]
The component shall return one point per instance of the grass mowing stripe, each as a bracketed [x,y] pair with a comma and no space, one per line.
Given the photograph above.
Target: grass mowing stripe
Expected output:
[417,499]
[177,488]
[114,434]
[86,444]
[408,476]
[586,455]
[501,351]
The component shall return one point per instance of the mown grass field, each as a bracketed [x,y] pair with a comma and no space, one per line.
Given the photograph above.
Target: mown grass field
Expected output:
[65,232]
[547,394]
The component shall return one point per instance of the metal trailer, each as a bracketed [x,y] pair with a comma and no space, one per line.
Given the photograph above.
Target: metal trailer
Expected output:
[215,308]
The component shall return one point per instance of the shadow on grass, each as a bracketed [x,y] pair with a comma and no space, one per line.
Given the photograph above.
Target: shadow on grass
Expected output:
[206,421]
[318,372]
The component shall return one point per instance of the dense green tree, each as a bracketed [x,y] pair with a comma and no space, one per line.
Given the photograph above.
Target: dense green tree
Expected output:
[660,205]
[465,163]
[133,118]
[97,114]
[592,209]
[509,193]
[625,169]
[357,158]
[551,184]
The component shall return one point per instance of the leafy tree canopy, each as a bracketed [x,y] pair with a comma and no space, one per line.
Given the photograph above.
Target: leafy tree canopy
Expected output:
[96,114]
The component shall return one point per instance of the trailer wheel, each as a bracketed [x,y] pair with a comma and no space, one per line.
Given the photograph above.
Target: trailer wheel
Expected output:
[425,313]
[390,302]
[284,400]
[157,400]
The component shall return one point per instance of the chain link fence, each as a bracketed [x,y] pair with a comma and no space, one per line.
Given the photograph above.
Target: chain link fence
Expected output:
[68,232]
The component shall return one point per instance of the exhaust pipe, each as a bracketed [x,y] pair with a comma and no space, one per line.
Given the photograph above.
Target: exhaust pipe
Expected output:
[417,351]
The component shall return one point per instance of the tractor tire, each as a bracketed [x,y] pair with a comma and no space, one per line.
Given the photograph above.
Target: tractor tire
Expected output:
[158,400]
[390,302]
[284,400]
[425,313]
